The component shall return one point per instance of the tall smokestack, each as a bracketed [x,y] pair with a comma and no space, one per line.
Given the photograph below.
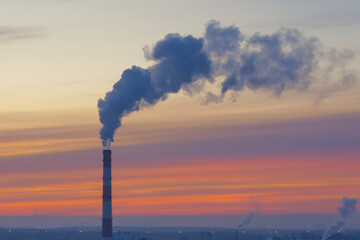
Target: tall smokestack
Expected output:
[107,210]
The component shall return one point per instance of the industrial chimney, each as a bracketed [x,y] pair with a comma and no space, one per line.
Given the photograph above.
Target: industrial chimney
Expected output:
[107,211]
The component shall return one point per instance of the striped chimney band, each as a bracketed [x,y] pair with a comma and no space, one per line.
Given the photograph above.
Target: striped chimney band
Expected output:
[107,210]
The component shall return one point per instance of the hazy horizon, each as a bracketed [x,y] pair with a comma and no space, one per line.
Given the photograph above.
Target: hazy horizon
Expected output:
[269,221]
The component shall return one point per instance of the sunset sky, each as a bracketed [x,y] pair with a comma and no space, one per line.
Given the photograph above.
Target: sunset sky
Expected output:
[294,153]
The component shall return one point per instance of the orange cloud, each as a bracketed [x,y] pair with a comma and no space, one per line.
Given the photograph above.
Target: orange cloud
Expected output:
[221,186]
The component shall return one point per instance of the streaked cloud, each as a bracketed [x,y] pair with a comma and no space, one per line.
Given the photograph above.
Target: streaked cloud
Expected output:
[283,135]
[11,34]
[215,185]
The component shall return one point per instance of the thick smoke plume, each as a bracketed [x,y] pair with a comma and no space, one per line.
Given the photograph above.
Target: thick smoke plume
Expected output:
[283,60]
[179,61]
[348,207]
[247,220]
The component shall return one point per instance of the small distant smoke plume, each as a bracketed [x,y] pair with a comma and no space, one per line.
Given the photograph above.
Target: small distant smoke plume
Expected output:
[247,220]
[255,209]
[286,59]
[348,207]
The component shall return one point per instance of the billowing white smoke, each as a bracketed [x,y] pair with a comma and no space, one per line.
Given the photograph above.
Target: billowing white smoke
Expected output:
[348,207]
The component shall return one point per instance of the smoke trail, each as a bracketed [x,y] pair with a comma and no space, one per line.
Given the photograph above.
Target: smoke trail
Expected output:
[283,60]
[180,61]
[348,207]
[247,220]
